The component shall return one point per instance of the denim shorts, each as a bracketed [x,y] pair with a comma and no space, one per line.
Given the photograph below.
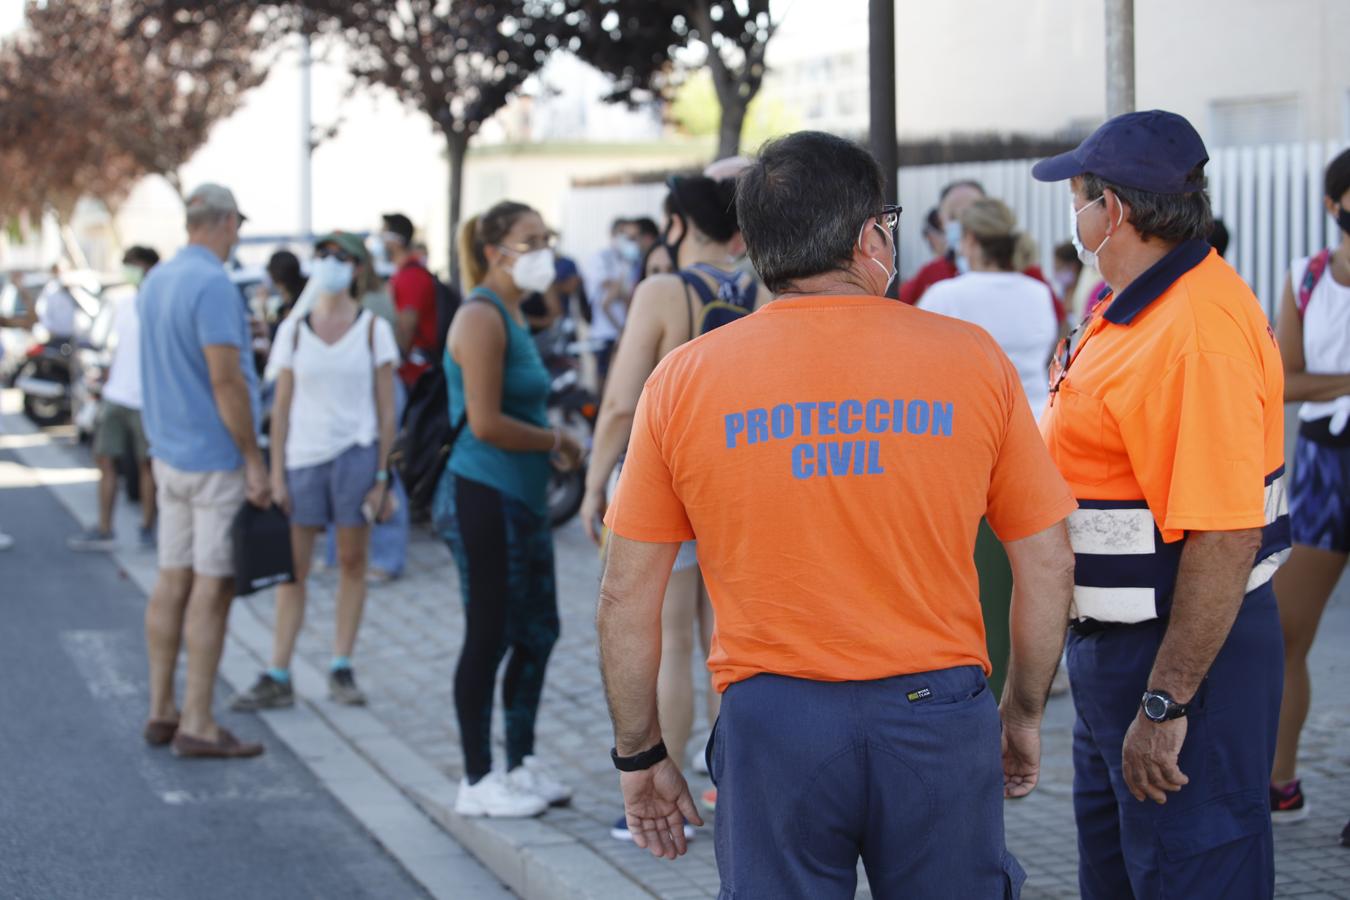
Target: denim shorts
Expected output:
[331,493]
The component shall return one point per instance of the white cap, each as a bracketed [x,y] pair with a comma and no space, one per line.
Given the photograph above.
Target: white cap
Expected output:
[213,198]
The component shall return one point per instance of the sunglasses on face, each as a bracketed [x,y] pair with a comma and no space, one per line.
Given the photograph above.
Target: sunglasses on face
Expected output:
[334,253]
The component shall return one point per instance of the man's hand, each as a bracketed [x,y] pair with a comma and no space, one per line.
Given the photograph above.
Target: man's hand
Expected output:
[593,513]
[1021,754]
[657,802]
[1149,758]
[256,486]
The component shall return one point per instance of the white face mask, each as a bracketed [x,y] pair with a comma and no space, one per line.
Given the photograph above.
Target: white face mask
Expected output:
[534,271]
[1085,256]
[889,273]
[332,275]
[953,233]
[627,248]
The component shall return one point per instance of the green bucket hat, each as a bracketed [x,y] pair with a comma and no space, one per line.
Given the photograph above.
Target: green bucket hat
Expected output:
[348,242]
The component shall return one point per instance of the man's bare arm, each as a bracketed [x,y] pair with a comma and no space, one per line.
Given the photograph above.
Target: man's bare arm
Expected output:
[1042,568]
[628,620]
[1211,582]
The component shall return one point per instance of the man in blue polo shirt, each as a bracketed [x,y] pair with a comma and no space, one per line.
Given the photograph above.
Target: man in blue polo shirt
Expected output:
[201,413]
[1168,424]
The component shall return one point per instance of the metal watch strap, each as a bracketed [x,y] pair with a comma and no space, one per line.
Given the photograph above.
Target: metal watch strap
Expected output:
[640,761]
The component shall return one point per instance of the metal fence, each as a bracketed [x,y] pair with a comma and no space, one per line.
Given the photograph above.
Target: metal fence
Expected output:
[1270,198]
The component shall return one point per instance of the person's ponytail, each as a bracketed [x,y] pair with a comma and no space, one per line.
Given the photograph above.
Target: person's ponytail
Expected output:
[1024,252]
[472,260]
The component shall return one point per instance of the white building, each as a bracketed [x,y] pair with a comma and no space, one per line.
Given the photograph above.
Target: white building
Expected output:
[1243,71]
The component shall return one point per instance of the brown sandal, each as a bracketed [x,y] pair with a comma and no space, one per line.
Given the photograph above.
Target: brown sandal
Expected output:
[226,746]
[159,732]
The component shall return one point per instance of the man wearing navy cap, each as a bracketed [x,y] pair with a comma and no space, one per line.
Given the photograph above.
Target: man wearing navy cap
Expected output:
[1168,423]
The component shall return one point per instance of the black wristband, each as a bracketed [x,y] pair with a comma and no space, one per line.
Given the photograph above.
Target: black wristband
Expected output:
[640,761]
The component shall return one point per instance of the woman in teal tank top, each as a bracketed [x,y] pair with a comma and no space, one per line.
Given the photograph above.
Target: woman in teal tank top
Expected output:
[491,509]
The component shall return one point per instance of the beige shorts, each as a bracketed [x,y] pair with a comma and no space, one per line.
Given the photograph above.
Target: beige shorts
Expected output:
[196,510]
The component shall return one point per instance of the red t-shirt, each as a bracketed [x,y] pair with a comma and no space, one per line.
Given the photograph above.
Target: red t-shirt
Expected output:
[943,268]
[412,287]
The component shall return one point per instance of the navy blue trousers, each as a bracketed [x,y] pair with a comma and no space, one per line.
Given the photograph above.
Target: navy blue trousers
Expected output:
[812,775]
[1212,838]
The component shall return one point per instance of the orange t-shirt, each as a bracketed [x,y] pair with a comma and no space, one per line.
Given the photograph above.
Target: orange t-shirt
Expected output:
[1179,405]
[833,456]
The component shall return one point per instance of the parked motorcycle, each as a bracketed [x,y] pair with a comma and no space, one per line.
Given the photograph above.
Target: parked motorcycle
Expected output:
[574,408]
[44,380]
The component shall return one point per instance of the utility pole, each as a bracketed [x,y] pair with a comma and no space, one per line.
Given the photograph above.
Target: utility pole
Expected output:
[306,143]
[1119,57]
[881,87]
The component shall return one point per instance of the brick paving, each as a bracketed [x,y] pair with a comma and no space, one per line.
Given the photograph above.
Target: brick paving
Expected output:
[410,641]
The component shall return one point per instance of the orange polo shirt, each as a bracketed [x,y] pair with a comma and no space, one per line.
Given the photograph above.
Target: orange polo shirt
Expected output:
[1168,419]
[833,456]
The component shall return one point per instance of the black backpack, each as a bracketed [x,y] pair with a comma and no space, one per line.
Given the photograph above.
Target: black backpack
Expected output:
[426,437]
[447,302]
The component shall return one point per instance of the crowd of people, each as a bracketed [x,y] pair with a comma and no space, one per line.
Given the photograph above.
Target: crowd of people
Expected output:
[812,483]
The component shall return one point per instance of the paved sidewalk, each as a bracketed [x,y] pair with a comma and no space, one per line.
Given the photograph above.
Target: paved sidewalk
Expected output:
[409,645]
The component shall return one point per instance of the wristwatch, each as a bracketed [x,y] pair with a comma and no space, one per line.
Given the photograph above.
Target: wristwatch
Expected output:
[1159,706]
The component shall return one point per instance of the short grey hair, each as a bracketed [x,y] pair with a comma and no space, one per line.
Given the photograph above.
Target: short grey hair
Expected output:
[802,204]
[1172,218]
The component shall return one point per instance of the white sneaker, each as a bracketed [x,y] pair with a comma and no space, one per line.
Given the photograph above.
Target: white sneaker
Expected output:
[535,778]
[496,796]
[5,541]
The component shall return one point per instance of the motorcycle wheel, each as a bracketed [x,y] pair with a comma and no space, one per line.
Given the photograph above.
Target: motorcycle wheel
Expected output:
[43,411]
[566,490]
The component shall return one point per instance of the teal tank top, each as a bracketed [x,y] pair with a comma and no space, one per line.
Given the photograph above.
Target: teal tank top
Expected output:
[522,474]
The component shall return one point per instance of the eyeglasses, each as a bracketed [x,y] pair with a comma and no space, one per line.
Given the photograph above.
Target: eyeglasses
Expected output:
[335,253]
[547,242]
[1064,355]
[890,216]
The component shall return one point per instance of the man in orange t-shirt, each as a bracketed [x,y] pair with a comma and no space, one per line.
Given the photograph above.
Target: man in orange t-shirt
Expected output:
[833,454]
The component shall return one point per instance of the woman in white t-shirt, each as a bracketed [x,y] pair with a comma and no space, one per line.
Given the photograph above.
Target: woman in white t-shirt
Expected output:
[1017,310]
[332,429]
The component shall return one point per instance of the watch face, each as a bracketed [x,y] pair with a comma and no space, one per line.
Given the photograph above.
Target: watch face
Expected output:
[1155,707]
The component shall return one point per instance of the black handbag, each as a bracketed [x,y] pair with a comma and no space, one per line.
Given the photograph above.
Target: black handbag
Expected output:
[262,549]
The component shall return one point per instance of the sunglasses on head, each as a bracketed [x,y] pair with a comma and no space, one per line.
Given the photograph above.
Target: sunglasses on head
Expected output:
[335,253]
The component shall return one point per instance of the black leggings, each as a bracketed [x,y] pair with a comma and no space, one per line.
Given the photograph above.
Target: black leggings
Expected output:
[504,551]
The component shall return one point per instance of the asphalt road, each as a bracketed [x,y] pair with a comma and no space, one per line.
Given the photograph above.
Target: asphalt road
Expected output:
[86,808]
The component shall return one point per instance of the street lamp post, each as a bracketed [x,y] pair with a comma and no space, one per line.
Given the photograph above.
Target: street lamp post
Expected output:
[1119,57]
[881,84]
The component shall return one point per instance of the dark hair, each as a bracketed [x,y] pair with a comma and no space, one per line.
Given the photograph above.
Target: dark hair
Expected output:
[617,224]
[140,255]
[1218,237]
[710,205]
[802,204]
[646,227]
[960,183]
[478,231]
[401,225]
[1067,253]
[1338,176]
[932,222]
[283,267]
[1172,218]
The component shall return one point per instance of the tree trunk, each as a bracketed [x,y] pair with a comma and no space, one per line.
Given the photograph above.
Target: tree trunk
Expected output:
[733,122]
[457,145]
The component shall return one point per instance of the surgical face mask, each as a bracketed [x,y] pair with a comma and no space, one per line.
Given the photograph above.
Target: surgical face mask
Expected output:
[962,263]
[895,267]
[953,233]
[1064,280]
[1085,256]
[331,275]
[534,271]
[627,248]
[133,275]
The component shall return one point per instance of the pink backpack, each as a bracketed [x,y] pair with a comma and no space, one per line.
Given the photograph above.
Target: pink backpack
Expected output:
[1317,267]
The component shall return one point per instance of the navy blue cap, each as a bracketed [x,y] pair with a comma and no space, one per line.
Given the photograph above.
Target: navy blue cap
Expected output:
[1151,151]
